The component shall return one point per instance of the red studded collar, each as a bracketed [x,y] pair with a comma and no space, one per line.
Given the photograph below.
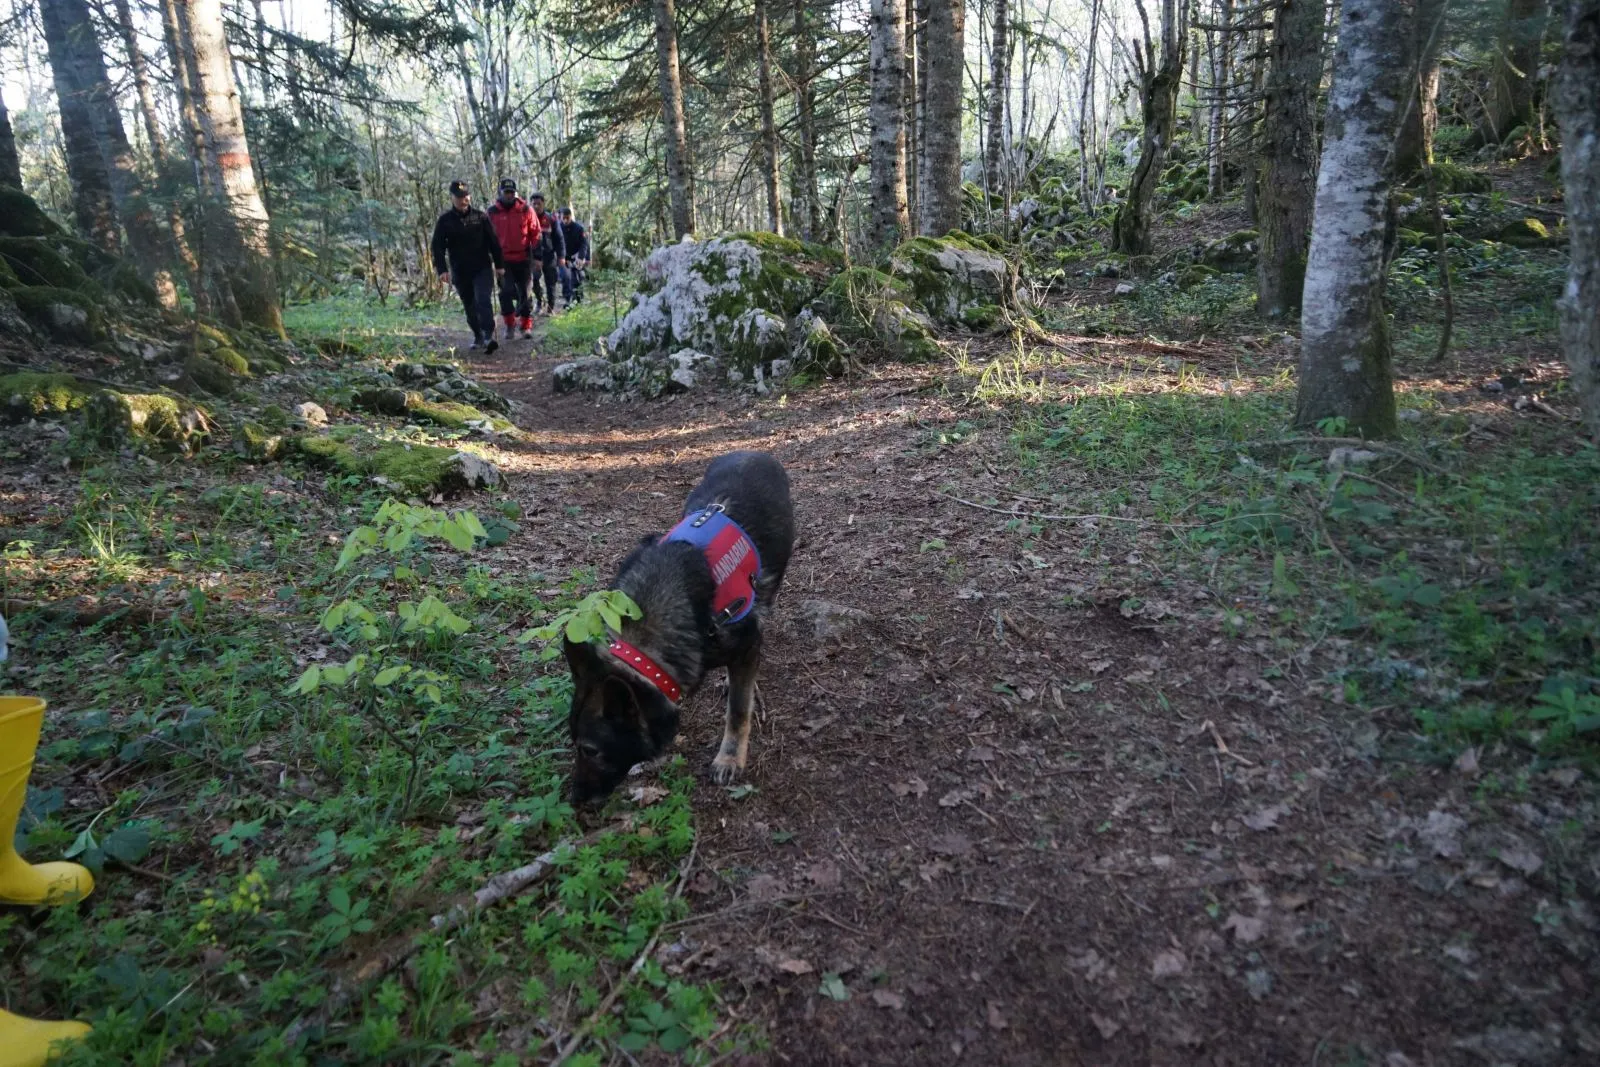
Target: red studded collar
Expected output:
[647,668]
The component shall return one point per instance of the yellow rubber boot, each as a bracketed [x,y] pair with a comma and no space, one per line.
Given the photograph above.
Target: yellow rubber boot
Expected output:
[22,882]
[31,1043]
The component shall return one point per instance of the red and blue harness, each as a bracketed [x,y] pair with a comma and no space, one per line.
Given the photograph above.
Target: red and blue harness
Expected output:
[735,565]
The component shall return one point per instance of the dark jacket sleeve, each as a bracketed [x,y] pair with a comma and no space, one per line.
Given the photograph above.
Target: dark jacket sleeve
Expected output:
[558,240]
[493,240]
[582,251]
[437,246]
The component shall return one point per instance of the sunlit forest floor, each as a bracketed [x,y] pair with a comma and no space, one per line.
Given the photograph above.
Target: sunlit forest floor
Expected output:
[1107,720]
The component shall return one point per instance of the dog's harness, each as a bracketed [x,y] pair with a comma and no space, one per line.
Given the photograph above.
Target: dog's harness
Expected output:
[735,565]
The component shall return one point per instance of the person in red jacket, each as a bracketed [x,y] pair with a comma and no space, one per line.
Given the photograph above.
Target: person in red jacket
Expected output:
[519,229]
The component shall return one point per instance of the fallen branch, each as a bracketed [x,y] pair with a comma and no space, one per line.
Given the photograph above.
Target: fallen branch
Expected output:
[1356,442]
[1113,518]
[599,1013]
[501,887]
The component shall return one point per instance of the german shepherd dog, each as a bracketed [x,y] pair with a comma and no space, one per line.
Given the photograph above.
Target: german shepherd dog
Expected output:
[696,617]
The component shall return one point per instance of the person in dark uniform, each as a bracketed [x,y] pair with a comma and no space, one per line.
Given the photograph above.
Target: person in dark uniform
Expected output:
[552,254]
[466,253]
[577,242]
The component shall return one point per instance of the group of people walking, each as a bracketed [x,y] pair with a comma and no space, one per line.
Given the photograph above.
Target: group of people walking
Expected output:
[517,243]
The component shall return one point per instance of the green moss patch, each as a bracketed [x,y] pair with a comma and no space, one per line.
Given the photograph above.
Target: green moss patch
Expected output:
[418,469]
[38,261]
[113,418]
[21,216]
[458,416]
[65,314]
[29,394]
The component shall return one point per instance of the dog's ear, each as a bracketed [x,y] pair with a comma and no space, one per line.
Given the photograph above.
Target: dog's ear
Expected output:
[587,669]
[622,705]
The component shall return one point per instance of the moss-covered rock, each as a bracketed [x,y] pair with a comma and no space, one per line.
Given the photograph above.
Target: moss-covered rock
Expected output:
[950,274]
[65,314]
[420,470]
[114,418]
[21,216]
[30,394]
[981,317]
[256,442]
[698,294]
[385,400]
[8,277]
[1526,233]
[231,361]
[458,416]
[121,278]
[210,376]
[814,346]
[876,313]
[1195,274]
[339,348]
[1454,178]
[40,261]
[1233,254]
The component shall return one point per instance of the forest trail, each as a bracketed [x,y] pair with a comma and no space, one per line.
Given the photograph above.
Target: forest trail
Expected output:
[1000,815]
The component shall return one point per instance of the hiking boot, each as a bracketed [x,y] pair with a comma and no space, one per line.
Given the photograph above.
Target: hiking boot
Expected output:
[527,332]
[492,346]
[475,345]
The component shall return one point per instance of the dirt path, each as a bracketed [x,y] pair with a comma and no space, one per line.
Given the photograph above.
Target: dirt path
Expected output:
[1023,828]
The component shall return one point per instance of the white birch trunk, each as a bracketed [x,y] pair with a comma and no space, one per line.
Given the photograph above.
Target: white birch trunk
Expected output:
[1345,354]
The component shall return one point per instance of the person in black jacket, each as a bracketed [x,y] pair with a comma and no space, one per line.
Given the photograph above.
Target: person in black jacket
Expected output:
[577,241]
[552,254]
[465,235]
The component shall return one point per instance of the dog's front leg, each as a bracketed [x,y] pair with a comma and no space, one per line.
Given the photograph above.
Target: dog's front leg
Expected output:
[735,746]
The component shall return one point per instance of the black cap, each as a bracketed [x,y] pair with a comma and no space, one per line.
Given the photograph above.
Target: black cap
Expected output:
[535,196]
[566,211]
[507,185]
[459,188]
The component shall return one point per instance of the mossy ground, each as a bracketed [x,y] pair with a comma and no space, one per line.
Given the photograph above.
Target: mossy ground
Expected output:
[29,393]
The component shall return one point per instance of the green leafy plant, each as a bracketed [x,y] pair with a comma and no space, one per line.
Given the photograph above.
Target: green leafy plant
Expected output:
[587,620]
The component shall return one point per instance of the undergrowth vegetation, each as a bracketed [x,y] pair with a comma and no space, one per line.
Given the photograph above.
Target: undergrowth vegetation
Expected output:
[1448,572]
[310,734]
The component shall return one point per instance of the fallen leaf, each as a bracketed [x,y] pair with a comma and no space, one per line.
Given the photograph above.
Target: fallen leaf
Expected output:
[1267,818]
[833,987]
[954,797]
[646,795]
[980,754]
[930,871]
[1293,901]
[1442,833]
[1519,857]
[1461,954]
[1246,929]
[1100,666]
[1138,677]
[885,999]
[1091,963]
[1108,1027]
[1258,983]
[997,1021]
[823,873]
[795,966]
[764,887]
[1467,762]
[911,787]
[951,845]
[1168,963]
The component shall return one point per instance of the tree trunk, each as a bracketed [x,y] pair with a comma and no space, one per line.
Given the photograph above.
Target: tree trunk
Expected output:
[769,124]
[1088,192]
[1222,80]
[915,64]
[244,233]
[1577,108]
[1248,121]
[92,202]
[1415,144]
[891,219]
[1158,93]
[10,164]
[158,150]
[999,90]
[1288,141]
[1514,77]
[207,180]
[1345,354]
[677,138]
[808,212]
[80,72]
[940,195]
